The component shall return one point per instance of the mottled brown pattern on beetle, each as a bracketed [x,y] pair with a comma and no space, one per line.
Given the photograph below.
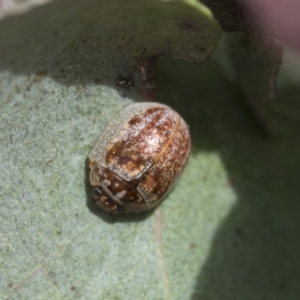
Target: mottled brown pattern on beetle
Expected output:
[141,152]
[131,153]
[115,184]
[105,202]
[156,114]
[135,120]
[160,177]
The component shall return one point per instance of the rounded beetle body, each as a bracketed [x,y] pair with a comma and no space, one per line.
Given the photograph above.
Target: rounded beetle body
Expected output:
[138,157]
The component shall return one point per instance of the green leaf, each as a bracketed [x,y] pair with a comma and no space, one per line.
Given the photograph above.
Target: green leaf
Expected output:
[228,230]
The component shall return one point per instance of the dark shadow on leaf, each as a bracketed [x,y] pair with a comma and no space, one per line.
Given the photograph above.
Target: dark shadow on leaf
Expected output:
[92,42]
[65,40]
[255,251]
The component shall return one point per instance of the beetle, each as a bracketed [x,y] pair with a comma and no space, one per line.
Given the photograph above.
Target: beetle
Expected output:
[138,158]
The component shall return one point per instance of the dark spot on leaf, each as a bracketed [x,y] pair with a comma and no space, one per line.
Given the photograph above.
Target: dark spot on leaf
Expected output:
[189,26]
[238,231]
[124,81]
[49,162]
[51,274]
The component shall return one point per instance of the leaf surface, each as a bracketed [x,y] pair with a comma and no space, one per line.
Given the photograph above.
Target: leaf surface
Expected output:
[61,67]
